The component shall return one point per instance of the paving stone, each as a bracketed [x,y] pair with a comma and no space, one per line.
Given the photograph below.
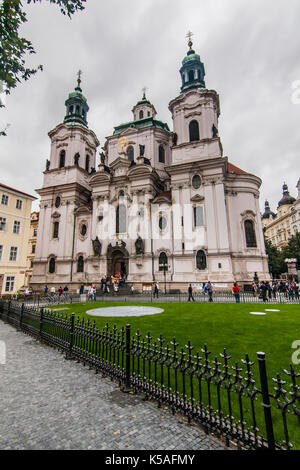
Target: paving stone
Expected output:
[48,402]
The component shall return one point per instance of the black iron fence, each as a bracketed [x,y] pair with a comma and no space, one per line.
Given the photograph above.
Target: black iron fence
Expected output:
[232,400]
[121,296]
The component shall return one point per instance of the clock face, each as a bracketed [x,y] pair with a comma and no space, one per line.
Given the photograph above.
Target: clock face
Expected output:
[196,181]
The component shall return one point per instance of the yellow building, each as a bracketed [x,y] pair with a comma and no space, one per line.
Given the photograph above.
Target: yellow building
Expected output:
[278,227]
[15,210]
[34,223]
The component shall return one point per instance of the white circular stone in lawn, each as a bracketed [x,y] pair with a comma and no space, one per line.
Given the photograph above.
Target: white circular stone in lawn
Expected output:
[271,310]
[257,313]
[128,311]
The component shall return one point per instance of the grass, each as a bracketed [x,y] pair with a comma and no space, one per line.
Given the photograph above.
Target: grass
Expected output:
[220,326]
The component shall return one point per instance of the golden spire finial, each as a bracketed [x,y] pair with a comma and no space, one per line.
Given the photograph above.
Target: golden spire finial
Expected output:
[189,36]
[79,73]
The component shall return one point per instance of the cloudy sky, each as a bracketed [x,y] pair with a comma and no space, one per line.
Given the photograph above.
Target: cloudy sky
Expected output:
[251,55]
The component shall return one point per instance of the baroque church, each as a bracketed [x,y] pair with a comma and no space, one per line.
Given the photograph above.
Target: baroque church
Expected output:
[161,206]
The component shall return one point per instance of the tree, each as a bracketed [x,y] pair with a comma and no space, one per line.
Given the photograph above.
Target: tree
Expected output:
[275,260]
[13,48]
[292,249]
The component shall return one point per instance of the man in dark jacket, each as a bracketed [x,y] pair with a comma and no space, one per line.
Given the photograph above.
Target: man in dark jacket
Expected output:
[190,292]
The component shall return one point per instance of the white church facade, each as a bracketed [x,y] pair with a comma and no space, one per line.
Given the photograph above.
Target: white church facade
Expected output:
[162,205]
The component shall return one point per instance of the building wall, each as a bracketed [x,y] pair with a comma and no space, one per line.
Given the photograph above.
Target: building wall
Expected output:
[14,269]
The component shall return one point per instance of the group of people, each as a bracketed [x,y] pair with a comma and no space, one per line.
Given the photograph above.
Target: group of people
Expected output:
[267,290]
[207,289]
[114,281]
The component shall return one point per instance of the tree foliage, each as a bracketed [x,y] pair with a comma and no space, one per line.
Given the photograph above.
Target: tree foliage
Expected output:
[275,260]
[13,48]
[292,249]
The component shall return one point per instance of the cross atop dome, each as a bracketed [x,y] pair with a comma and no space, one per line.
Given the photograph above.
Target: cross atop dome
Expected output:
[144,89]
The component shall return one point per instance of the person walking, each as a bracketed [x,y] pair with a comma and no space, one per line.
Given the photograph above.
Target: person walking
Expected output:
[190,292]
[156,290]
[236,292]
[264,289]
[60,291]
[210,291]
[46,290]
[81,290]
[94,291]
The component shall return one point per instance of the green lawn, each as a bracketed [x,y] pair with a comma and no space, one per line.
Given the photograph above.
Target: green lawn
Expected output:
[220,326]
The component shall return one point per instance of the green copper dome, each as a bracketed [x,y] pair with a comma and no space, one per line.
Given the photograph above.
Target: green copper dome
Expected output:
[77,107]
[192,71]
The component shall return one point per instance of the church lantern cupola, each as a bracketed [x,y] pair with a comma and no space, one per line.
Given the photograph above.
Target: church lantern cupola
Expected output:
[77,107]
[192,71]
[143,109]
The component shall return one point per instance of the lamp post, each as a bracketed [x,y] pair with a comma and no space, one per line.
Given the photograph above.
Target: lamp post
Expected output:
[165,268]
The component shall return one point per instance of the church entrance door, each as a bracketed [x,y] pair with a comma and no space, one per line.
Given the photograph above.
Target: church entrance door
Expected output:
[117,262]
[120,267]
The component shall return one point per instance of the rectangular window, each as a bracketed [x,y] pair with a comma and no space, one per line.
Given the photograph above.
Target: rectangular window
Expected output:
[33,249]
[16,227]
[55,229]
[9,283]
[35,232]
[19,204]
[1,252]
[4,200]
[2,224]
[13,253]
[198,216]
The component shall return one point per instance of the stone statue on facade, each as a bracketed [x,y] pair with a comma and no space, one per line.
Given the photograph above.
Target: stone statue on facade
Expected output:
[142,150]
[139,246]
[96,246]
[214,131]
[76,158]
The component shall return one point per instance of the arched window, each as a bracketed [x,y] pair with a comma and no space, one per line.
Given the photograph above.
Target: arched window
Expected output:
[55,229]
[141,114]
[201,260]
[194,131]
[71,110]
[130,153]
[163,262]
[80,264]
[87,163]
[77,110]
[52,265]
[191,75]
[161,154]
[62,159]
[121,218]
[250,234]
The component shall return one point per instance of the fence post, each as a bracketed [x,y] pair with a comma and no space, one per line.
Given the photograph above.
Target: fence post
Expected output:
[69,354]
[266,399]
[41,322]
[126,387]
[21,316]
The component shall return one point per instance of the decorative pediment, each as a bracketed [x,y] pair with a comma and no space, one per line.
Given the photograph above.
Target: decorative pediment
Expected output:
[55,215]
[83,210]
[99,178]
[197,198]
[248,213]
[140,170]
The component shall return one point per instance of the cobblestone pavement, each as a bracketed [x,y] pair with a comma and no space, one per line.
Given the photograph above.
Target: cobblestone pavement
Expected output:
[48,402]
